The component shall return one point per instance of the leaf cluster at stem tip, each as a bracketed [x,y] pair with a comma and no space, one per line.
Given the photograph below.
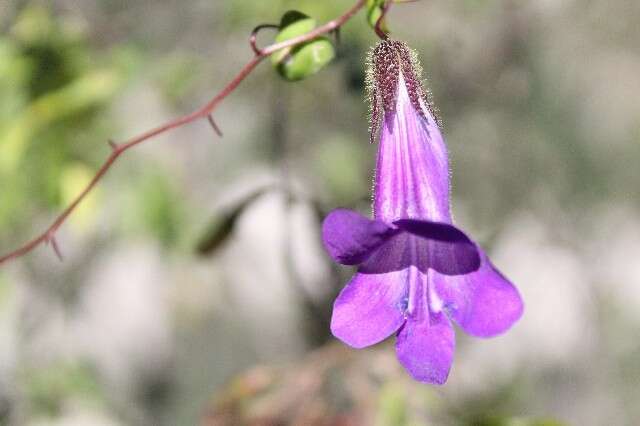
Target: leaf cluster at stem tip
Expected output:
[301,61]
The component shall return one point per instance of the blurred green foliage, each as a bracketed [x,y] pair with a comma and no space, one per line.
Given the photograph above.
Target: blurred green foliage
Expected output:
[54,123]
[392,405]
[516,421]
[243,12]
[49,388]
[155,206]
[177,76]
[340,163]
[54,90]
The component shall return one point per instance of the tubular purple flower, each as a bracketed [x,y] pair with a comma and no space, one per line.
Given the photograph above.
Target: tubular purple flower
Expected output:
[416,270]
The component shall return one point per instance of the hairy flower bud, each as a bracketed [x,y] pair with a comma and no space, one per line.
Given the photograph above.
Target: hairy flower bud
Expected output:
[391,62]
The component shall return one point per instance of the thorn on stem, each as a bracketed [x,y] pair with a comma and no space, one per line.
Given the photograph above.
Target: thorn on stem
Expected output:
[56,248]
[378,28]
[214,125]
[113,145]
[336,35]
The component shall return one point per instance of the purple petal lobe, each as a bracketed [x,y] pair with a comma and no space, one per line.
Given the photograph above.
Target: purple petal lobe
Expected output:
[370,308]
[412,172]
[425,348]
[351,238]
[450,251]
[483,303]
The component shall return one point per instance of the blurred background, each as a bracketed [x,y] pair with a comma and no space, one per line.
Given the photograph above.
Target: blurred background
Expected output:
[194,288]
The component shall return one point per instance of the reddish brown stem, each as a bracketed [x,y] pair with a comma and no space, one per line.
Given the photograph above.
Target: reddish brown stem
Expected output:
[253,39]
[378,27]
[117,149]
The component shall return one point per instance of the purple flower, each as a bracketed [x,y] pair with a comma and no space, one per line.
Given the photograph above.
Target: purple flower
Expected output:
[416,270]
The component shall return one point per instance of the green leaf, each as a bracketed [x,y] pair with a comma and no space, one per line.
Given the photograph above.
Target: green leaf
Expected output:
[291,17]
[307,59]
[298,62]
[374,12]
[374,3]
[222,224]
[89,90]
[292,24]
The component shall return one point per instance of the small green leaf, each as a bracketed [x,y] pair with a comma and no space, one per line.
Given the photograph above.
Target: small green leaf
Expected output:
[307,59]
[374,3]
[223,223]
[374,12]
[294,16]
[298,62]
[292,24]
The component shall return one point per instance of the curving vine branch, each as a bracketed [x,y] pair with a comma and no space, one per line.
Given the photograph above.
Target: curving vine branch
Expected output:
[205,112]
